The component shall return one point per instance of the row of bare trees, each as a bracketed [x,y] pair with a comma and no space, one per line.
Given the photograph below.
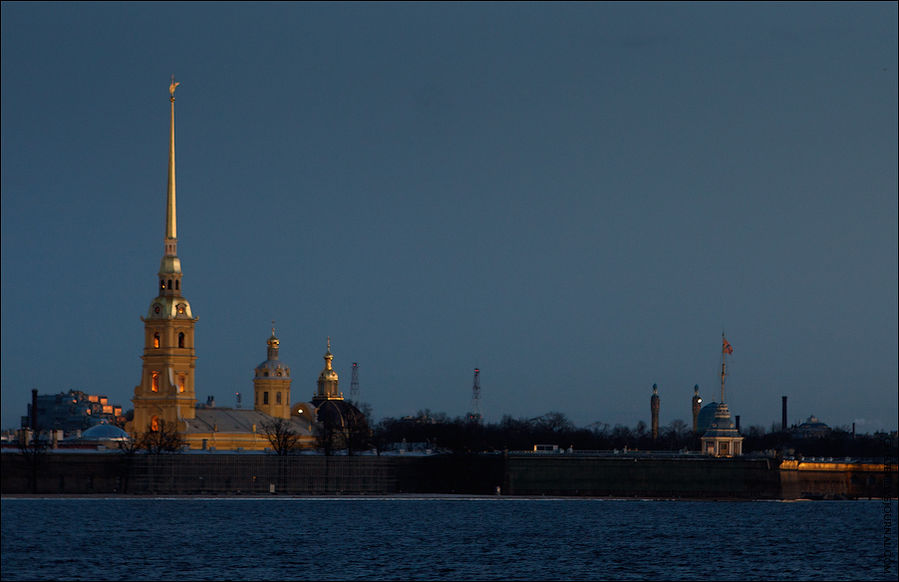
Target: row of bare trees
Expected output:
[461,435]
[330,437]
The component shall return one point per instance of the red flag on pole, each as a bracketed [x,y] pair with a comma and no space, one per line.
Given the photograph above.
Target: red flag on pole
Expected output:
[727,348]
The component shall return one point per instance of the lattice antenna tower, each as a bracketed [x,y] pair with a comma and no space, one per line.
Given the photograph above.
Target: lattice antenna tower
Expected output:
[354,383]
[475,414]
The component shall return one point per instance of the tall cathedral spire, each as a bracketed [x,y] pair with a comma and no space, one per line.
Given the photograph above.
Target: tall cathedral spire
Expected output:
[166,391]
[171,226]
[170,266]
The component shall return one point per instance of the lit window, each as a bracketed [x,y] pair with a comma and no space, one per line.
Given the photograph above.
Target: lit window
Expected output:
[180,383]
[154,424]
[155,385]
[155,340]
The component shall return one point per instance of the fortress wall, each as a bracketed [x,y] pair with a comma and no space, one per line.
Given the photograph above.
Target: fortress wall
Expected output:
[227,474]
[515,473]
[835,480]
[61,473]
[231,474]
[632,476]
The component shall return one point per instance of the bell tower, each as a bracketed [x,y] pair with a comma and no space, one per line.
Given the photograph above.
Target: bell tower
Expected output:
[271,383]
[166,390]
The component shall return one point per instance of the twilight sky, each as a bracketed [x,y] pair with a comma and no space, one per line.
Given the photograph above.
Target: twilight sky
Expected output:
[576,198]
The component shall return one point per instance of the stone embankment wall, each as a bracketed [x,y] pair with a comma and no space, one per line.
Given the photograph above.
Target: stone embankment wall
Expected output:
[237,474]
[835,480]
[641,476]
[514,473]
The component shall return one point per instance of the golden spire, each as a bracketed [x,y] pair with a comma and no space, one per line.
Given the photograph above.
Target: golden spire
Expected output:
[171,227]
[328,355]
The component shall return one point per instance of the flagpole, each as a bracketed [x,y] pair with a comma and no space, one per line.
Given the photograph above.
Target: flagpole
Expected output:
[723,358]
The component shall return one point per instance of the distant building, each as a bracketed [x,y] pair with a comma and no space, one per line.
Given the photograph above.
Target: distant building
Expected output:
[70,412]
[99,436]
[704,417]
[812,428]
[720,434]
[722,439]
[214,428]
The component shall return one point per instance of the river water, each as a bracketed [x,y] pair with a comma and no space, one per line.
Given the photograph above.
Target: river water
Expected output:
[444,538]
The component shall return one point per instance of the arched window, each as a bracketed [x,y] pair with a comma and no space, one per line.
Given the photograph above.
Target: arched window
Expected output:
[162,284]
[155,384]
[176,285]
[265,397]
[180,383]
[154,424]
[156,340]
[170,283]
[278,397]
[181,340]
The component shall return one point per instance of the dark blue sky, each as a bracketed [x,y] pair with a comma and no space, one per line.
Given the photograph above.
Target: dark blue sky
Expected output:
[577,198]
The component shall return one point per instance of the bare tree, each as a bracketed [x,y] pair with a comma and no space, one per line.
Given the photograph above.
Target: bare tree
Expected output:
[554,422]
[32,448]
[162,438]
[283,438]
[129,449]
[357,435]
[328,436]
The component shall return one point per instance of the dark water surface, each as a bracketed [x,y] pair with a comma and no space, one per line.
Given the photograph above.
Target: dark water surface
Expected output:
[443,539]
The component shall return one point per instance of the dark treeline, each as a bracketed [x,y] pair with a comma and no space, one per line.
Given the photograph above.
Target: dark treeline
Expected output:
[437,431]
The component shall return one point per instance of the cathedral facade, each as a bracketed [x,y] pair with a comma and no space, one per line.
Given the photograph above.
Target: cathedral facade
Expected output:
[166,395]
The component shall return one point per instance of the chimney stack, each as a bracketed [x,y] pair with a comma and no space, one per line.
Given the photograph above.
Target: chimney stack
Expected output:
[34,409]
[783,419]
[654,408]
